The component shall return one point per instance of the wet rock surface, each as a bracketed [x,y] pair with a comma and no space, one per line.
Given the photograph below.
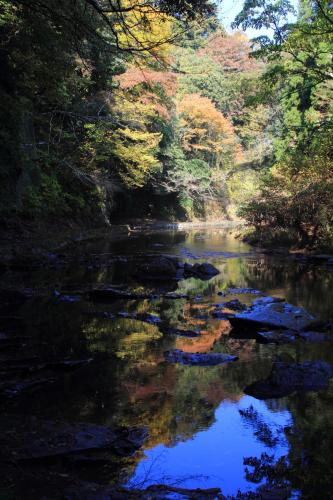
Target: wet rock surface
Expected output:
[196,359]
[276,315]
[286,378]
[267,300]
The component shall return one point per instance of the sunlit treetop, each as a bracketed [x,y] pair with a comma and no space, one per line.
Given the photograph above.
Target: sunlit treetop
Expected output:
[136,75]
[232,52]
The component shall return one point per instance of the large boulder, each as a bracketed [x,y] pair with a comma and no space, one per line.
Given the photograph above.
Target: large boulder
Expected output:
[275,315]
[196,359]
[286,378]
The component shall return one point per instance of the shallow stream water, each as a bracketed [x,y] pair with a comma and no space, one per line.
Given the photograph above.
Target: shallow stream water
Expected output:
[203,430]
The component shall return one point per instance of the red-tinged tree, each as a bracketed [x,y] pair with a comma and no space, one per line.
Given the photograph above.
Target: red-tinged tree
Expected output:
[232,52]
[136,75]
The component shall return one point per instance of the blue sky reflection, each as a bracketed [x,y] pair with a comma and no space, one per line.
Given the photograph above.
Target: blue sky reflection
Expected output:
[214,457]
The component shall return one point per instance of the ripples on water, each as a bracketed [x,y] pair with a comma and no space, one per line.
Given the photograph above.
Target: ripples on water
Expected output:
[197,435]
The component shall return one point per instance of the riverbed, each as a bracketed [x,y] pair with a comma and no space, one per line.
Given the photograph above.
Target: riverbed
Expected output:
[203,431]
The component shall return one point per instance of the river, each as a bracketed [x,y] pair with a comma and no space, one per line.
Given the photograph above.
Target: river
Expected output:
[203,431]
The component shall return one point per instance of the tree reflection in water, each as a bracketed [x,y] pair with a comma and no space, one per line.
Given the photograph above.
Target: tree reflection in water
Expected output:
[197,435]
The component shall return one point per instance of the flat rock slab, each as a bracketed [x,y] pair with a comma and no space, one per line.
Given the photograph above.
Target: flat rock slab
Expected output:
[267,300]
[276,315]
[286,378]
[196,359]
[62,440]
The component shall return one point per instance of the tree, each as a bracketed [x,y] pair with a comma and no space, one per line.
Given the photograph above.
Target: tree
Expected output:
[295,196]
[230,52]
[205,131]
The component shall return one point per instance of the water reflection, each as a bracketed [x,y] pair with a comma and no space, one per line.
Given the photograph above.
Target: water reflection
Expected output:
[214,457]
[197,435]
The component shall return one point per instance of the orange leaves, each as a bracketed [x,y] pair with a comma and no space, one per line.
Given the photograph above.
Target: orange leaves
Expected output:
[231,52]
[204,127]
[136,75]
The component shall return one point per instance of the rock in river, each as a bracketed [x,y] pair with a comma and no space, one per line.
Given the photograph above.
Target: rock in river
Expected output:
[204,271]
[275,315]
[196,359]
[286,378]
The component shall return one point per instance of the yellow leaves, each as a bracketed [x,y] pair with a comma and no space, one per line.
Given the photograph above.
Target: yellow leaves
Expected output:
[205,128]
[135,149]
[134,145]
[134,345]
[150,139]
[126,144]
[143,28]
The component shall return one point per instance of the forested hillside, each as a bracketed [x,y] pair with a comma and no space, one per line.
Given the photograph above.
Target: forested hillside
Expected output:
[139,111]
[112,110]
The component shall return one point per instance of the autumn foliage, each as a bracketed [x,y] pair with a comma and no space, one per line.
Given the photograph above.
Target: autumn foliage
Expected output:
[231,52]
[205,128]
[137,75]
